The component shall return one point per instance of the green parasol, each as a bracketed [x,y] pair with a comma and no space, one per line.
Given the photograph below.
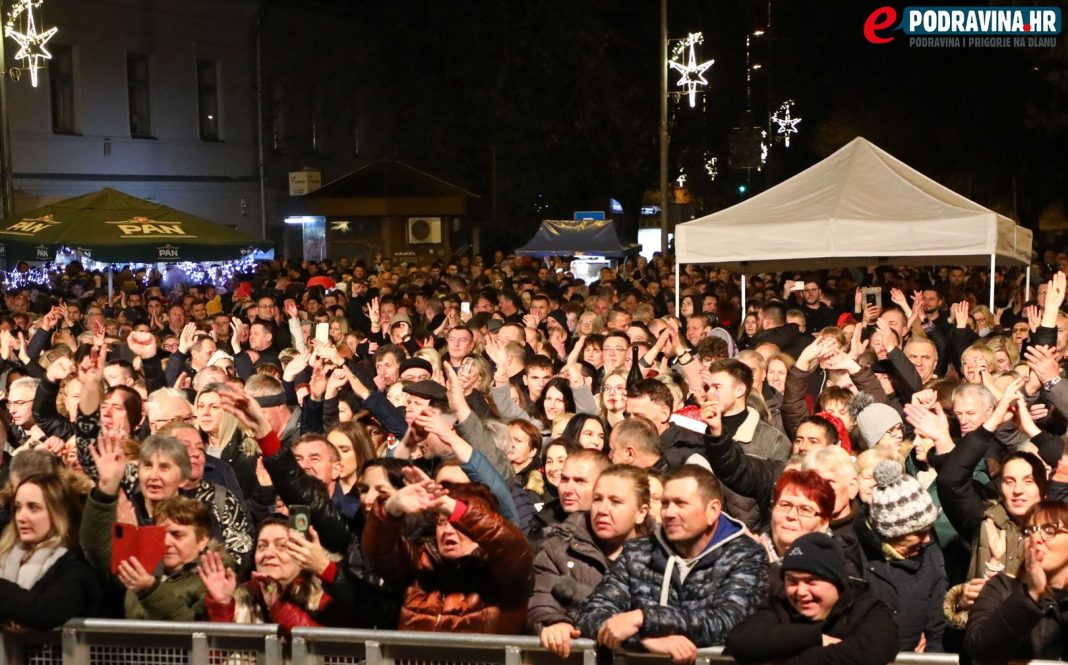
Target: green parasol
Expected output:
[112,227]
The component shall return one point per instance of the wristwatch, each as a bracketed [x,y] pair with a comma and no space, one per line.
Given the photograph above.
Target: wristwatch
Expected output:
[685,359]
[1048,385]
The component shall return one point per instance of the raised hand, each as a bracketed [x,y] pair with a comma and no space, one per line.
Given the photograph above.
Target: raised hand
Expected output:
[1034,319]
[898,298]
[454,390]
[712,415]
[61,369]
[247,411]
[239,333]
[134,576]
[889,337]
[959,312]
[930,423]
[418,495]
[291,310]
[142,344]
[338,379]
[1034,577]
[308,552]
[317,383]
[110,461]
[219,581]
[297,365]
[7,344]
[187,337]
[1055,292]
[1043,362]
[374,313]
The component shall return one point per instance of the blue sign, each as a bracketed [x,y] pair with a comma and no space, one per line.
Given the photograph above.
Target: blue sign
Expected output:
[588,214]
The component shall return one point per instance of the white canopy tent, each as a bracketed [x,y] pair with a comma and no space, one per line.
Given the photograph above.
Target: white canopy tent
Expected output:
[858,206]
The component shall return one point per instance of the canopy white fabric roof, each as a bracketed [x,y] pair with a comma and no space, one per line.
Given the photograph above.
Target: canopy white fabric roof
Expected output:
[859,206]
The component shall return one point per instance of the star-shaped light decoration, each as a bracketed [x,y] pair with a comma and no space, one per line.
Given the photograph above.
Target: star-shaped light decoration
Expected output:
[31,43]
[787,124]
[681,180]
[692,73]
[341,227]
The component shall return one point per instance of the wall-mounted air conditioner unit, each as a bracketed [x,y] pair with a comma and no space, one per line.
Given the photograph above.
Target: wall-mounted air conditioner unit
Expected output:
[424,230]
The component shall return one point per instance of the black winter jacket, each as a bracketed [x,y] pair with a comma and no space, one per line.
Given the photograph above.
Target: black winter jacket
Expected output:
[914,589]
[1007,624]
[777,633]
[69,588]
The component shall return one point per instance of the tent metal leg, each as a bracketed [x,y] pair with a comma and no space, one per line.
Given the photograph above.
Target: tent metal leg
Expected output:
[678,298]
[1027,283]
[743,297]
[111,284]
[993,265]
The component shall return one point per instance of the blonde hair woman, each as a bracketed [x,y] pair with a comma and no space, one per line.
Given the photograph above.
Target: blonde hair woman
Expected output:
[44,578]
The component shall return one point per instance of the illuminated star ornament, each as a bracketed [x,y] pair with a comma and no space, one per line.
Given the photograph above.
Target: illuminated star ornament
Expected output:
[341,227]
[31,43]
[693,74]
[787,124]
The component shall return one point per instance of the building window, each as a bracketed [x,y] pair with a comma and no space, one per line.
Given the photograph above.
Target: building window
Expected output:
[61,87]
[208,99]
[138,90]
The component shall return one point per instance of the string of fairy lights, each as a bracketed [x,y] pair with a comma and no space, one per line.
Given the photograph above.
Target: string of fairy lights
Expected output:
[219,274]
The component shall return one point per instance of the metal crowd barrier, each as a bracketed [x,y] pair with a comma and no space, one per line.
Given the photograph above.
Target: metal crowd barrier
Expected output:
[116,642]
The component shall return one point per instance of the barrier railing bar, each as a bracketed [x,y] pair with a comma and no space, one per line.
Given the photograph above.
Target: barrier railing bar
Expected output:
[73,641]
[185,628]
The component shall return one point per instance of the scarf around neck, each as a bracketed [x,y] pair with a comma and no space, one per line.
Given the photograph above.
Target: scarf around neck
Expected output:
[26,573]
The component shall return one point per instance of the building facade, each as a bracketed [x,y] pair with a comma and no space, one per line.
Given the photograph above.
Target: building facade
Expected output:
[155,98]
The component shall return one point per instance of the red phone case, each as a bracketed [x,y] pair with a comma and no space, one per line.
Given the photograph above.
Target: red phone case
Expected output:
[145,543]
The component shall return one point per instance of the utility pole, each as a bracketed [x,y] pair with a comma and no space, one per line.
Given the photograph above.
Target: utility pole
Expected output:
[7,190]
[664,138]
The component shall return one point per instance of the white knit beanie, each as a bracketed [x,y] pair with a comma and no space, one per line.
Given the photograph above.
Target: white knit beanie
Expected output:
[899,505]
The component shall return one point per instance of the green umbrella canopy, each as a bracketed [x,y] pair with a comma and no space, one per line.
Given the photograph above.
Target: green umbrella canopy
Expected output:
[113,227]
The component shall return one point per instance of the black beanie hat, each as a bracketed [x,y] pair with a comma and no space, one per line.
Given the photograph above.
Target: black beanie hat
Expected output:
[818,554]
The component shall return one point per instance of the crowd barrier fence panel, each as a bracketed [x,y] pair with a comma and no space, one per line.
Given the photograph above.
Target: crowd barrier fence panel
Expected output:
[117,642]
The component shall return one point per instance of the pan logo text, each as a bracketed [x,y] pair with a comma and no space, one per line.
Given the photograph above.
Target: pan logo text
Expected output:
[30,226]
[143,227]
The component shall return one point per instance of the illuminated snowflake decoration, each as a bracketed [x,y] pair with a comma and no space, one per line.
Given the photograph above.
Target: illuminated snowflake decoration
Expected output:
[31,43]
[681,180]
[692,73]
[341,227]
[711,166]
[787,123]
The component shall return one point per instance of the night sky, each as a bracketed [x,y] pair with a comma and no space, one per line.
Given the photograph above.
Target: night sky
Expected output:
[565,95]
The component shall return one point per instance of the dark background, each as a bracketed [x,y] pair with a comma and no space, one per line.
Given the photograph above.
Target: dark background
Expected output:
[562,96]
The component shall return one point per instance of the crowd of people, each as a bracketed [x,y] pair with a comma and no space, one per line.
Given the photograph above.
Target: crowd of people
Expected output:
[852,464]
